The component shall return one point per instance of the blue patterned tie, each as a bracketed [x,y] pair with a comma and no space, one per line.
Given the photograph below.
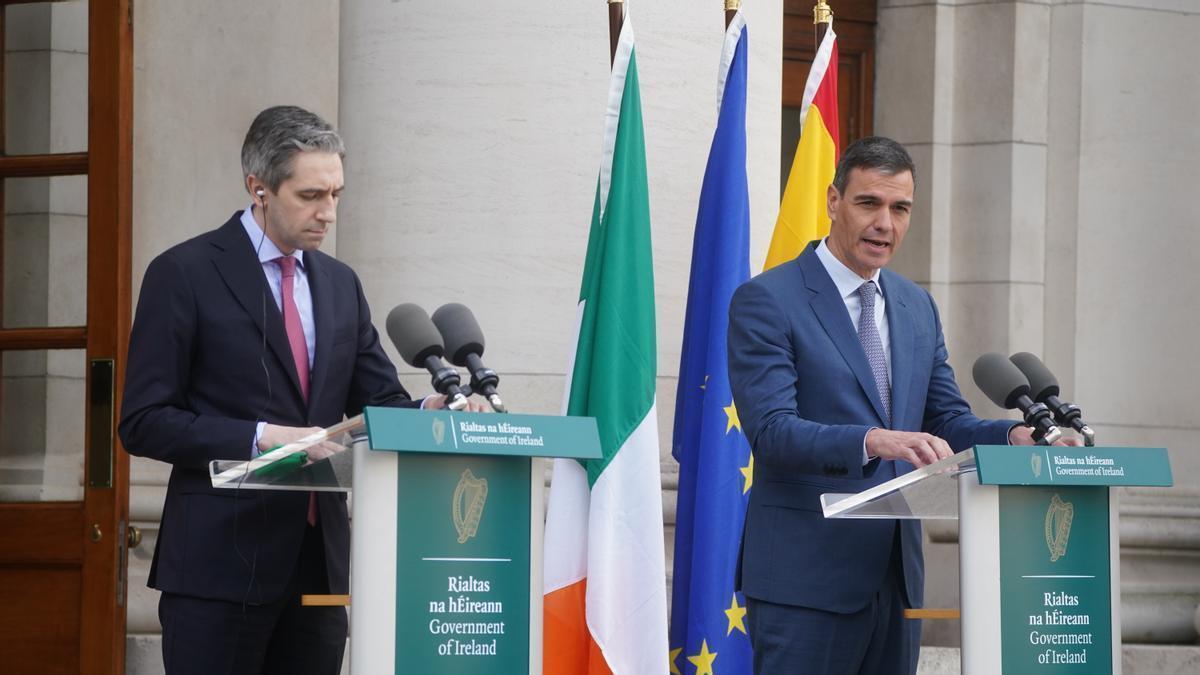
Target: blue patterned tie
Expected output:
[868,335]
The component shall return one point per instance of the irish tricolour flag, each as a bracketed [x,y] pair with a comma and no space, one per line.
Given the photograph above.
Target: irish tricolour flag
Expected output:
[605,582]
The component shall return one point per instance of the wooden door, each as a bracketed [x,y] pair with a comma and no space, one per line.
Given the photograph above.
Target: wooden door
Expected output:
[854,23]
[65,156]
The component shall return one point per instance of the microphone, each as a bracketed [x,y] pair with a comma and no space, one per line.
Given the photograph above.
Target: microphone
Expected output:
[1006,385]
[464,342]
[420,345]
[1044,388]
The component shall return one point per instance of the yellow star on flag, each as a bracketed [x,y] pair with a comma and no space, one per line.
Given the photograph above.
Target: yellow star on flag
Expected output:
[737,617]
[674,667]
[704,660]
[748,474]
[731,413]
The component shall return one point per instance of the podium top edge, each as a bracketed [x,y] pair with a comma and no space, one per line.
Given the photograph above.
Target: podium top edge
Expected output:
[1071,465]
[470,433]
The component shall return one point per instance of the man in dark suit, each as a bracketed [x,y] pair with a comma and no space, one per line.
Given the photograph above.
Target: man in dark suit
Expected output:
[247,338]
[839,374]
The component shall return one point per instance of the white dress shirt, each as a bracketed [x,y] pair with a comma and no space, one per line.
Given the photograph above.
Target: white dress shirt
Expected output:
[847,282]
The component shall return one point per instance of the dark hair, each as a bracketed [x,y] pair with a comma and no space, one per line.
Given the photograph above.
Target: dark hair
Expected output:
[872,152]
[277,134]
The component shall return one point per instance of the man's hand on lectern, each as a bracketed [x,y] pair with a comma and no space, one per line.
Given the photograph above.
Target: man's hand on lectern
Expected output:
[275,435]
[915,447]
[438,402]
[1023,435]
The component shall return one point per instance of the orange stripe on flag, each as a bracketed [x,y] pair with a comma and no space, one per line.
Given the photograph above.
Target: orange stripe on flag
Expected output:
[568,647]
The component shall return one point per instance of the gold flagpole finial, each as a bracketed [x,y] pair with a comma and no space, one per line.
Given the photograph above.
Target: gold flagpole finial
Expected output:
[822,13]
[733,5]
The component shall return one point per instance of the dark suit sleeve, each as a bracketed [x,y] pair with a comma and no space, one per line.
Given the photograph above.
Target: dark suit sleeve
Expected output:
[156,420]
[375,382]
[947,413]
[762,374]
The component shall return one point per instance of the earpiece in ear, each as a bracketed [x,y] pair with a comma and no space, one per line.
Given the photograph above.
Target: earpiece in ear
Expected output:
[260,193]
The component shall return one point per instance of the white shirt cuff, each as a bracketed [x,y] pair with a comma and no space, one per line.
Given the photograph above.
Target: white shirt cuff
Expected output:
[866,459]
[258,432]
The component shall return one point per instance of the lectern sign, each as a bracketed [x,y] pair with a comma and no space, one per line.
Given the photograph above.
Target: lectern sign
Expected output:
[444,431]
[445,510]
[462,564]
[1061,465]
[1056,613]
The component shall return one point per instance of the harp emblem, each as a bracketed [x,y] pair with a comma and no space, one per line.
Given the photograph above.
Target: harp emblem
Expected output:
[1058,526]
[469,499]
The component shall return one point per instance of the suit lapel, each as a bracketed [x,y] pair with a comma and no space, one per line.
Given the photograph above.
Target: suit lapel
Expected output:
[901,335]
[242,273]
[322,295]
[830,310]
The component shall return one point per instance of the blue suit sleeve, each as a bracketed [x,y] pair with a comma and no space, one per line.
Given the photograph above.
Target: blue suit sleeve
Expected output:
[763,376]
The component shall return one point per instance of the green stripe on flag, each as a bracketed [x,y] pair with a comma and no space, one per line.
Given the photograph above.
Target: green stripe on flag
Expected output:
[615,360]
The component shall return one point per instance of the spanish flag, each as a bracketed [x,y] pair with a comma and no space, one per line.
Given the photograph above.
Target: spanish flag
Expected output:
[802,215]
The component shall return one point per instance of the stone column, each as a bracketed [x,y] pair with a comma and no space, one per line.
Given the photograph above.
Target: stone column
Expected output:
[965,88]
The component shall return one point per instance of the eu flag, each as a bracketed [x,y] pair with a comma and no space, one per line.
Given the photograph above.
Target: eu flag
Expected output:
[708,627]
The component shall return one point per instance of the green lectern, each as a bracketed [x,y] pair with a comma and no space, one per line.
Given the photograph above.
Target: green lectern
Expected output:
[446,519]
[1039,554]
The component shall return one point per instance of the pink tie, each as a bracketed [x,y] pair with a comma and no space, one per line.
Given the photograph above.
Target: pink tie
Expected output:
[297,343]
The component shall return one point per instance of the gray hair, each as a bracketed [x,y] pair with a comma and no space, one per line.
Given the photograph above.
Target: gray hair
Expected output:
[873,152]
[277,134]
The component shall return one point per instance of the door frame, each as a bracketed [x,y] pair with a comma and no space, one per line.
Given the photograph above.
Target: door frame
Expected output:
[91,534]
[109,316]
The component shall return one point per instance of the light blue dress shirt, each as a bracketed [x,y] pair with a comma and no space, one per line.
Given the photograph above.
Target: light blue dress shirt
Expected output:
[847,282]
[267,252]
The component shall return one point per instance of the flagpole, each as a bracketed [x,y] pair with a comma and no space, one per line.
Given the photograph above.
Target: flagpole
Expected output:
[731,8]
[616,16]
[822,20]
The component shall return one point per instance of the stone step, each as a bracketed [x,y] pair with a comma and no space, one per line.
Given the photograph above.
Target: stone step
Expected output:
[143,656]
[1135,660]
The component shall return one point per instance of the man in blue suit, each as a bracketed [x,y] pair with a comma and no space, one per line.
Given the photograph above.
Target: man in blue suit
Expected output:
[839,374]
[247,337]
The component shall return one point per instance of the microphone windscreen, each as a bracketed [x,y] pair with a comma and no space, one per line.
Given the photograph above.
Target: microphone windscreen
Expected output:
[1042,383]
[415,336]
[997,377]
[460,330]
